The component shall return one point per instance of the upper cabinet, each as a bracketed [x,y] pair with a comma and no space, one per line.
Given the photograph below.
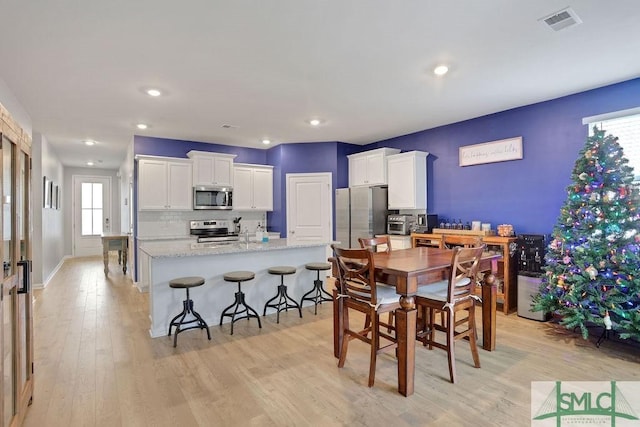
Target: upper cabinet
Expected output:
[212,168]
[253,187]
[369,167]
[407,173]
[164,184]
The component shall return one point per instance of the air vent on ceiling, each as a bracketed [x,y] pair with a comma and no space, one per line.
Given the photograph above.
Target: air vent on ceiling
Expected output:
[562,19]
[227,126]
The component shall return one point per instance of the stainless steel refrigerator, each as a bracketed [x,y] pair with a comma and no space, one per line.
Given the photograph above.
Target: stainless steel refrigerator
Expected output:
[360,212]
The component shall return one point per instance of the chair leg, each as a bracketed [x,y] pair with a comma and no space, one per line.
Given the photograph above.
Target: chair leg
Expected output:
[375,345]
[473,337]
[450,345]
[345,341]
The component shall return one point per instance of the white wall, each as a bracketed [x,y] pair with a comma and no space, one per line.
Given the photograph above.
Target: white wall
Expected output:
[12,104]
[126,185]
[48,224]
[67,199]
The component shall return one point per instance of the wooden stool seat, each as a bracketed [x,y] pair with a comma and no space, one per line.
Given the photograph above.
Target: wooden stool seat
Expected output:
[284,301]
[239,306]
[282,270]
[318,266]
[239,276]
[187,282]
[317,294]
[196,321]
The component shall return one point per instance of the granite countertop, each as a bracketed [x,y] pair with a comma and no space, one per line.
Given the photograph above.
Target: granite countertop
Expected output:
[174,249]
[156,238]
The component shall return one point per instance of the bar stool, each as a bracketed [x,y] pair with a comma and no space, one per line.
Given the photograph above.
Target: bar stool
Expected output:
[282,296]
[187,308]
[316,294]
[239,277]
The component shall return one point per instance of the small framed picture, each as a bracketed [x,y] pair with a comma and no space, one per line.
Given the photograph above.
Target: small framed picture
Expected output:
[47,188]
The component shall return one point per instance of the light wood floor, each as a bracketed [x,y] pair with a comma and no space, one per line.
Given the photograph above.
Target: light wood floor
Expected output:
[95,365]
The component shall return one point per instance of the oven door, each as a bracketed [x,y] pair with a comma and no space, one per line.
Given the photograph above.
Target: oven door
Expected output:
[396,227]
[219,198]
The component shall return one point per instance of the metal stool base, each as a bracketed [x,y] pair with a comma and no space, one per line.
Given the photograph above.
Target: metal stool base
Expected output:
[285,302]
[239,303]
[187,308]
[316,294]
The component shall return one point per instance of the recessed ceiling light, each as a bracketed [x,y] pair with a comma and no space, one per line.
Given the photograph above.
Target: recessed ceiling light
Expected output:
[153,92]
[142,126]
[266,141]
[440,70]
[89,163]
[315,122]
[89,142]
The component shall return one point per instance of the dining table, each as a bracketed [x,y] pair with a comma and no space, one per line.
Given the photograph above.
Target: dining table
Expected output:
[407,269]
[115,242]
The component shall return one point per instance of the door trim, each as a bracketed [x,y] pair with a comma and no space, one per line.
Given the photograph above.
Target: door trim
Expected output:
[74,201]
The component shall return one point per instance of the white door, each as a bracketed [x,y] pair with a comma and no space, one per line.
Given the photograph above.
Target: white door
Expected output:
[91,206]
[309,207]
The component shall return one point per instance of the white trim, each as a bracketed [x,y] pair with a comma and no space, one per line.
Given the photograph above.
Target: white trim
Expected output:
[611,115]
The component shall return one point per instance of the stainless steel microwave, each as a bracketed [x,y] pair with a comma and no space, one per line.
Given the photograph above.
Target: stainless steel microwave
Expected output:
[209,197]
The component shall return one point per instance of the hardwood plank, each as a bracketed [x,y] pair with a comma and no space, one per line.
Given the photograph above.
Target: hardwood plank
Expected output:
[96,365]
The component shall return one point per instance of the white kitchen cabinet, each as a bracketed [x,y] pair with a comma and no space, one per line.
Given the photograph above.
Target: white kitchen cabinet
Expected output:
[212,168]
[164,184]
[407,174]
[397,242]
[370,167]
[253,187]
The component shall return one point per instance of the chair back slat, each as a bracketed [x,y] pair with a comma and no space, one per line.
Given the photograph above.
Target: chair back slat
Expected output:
[356,274]
[463,272]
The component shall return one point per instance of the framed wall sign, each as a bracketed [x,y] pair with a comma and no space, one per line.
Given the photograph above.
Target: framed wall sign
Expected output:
[489,152]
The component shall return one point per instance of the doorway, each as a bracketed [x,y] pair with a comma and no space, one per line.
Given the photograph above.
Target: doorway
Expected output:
[91,207]
[309,207]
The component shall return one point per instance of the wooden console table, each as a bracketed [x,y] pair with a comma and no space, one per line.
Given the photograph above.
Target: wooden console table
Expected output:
[507,274]
[115,242]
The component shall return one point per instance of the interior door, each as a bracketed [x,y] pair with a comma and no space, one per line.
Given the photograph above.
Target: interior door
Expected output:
[91,213]
[16,335]
[309,207]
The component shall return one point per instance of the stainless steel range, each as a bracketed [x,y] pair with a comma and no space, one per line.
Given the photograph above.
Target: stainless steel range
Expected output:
[213,230]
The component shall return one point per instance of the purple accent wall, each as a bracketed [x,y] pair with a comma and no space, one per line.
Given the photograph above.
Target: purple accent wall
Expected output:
[301,158]
[526,193]
[151,146]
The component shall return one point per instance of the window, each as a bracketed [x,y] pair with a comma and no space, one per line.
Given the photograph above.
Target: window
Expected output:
[91,208]
[626,126]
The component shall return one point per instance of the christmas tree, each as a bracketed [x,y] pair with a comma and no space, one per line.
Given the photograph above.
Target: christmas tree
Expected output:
[593,261]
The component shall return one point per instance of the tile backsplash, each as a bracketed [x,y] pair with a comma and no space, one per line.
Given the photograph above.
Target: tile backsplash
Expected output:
[176,223]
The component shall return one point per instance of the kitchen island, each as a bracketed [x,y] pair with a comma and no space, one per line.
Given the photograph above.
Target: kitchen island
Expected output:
[163,261]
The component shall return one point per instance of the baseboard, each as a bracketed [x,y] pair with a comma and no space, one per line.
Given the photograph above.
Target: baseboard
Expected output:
[53,273]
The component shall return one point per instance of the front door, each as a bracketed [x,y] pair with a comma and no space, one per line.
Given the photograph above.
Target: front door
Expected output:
[91,213]
[309,207]
[16,333]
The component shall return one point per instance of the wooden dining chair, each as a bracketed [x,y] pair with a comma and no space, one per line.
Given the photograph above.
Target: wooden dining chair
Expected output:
[358,292]
[450,241]
[451,296]
[372,243]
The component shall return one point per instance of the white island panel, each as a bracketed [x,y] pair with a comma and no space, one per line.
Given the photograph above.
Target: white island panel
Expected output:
[169,261]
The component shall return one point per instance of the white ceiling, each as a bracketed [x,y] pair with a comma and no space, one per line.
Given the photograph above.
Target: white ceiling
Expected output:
[267,66]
